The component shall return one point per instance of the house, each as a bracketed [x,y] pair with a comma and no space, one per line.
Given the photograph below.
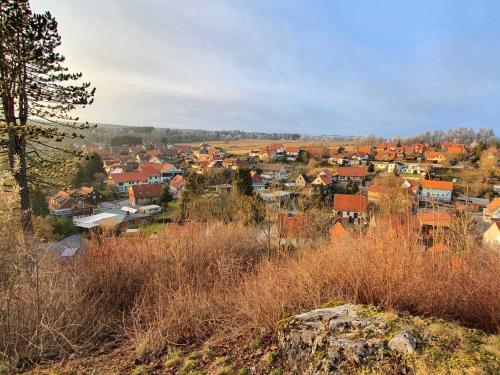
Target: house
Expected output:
[338,159]
[282,174]
[324,178]
[351,174]
[144,194]
[64,203]
[122,181]
[385,155]
[177,184]
[434,219]
[455,149]
[337,232]
[412,168]
[301,181]
[258,183]
[292,152]
[492,211]
[351,208]
[435,157]
[291,225]
[168,171]
[491,237]
[438,190]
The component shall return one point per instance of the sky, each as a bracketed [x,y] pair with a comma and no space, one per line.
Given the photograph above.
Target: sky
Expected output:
[351,67]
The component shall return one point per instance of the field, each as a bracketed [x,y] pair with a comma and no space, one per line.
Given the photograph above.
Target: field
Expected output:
[244,146]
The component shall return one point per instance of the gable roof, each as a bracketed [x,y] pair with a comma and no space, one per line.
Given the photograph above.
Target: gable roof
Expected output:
[434,154]
[493,205]
[437,185]
[146,191]
[435,218]
[352,171]
[128,177]
[352,203]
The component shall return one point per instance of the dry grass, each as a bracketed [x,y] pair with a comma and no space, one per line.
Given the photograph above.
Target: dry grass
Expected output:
[190,283]
[381,270]
[244,146]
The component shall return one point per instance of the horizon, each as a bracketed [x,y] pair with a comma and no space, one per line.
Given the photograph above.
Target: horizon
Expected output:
[344,68]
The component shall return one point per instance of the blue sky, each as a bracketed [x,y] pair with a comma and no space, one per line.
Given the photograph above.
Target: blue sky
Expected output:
[319,67]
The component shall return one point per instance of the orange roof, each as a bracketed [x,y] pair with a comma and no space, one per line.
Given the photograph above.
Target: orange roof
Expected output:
[455,150]
[493,205]
[352,171]
[128,177]
[434,154]
[352,203]
[436,219]
[437,185]
[292,148]
[385,155]
[337,231]
[178,181]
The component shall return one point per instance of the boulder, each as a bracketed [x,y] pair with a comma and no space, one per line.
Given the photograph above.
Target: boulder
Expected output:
[403,343]
[323,341]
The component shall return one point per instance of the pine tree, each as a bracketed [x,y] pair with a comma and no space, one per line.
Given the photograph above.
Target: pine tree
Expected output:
[90,172]
[37,95]
[242,182]
[166,196]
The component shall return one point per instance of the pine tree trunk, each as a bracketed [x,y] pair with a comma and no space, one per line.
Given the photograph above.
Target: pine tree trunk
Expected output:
[17,163]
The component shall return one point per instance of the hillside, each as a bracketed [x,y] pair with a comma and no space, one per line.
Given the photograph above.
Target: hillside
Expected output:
[335,339]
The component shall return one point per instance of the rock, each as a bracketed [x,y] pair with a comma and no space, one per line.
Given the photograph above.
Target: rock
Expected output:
[322,341]
[403,343]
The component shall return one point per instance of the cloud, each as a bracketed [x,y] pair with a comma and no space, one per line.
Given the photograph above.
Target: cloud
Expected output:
[316,68]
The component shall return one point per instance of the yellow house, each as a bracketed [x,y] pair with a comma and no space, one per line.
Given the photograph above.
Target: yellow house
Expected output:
[491,237]
[301,181]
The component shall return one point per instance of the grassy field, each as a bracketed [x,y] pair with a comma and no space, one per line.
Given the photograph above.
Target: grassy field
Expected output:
[162,218]
[244,146]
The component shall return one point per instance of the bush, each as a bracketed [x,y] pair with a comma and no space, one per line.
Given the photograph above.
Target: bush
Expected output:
[202,280]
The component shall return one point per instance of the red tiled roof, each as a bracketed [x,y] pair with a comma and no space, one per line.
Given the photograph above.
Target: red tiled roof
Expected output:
[385,155]
[434,154]
[352,203]
[352,171]
[292,148]
[437,185]
[438,219]
[493,205]
[178,181]
[128,177]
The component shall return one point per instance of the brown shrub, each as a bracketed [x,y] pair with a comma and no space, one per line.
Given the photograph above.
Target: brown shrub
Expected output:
[198,281]
[382,269]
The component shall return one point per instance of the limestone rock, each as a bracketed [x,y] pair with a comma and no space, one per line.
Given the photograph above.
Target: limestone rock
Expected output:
[322,341]
[403,343]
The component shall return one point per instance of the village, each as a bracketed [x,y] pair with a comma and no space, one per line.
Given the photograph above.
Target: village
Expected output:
[350,184]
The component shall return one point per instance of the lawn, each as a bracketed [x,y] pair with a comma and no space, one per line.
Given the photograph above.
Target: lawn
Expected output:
[162,218]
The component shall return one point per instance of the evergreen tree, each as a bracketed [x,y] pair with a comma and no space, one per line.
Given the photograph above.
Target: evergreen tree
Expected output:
[37,95]
[166,196]
[90,171]
[242,182]
[39,203]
